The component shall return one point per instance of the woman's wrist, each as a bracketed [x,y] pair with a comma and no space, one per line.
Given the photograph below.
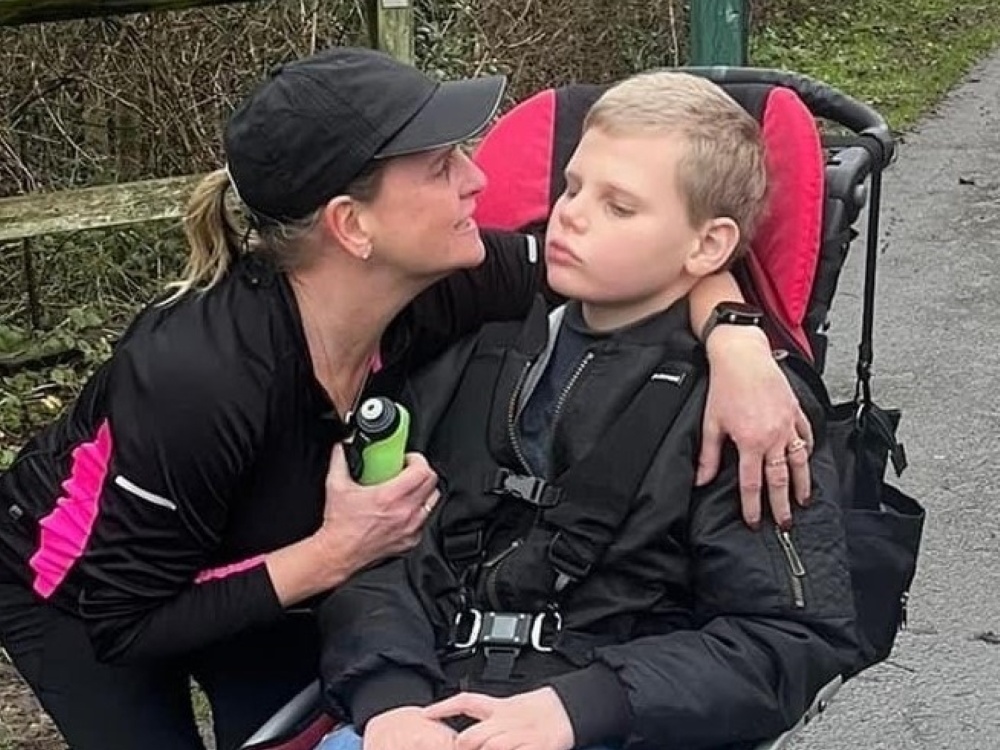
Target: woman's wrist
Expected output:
[723,338]
[707,294]
[308,567]
[333,562]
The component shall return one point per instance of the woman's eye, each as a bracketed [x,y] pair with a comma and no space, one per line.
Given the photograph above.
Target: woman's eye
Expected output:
[447,164]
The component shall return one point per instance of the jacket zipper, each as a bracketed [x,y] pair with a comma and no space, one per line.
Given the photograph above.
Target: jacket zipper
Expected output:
[795,567]
[512,419]
[493,567]
[561,401]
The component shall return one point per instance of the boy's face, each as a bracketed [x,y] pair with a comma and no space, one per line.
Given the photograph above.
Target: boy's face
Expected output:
[619,237]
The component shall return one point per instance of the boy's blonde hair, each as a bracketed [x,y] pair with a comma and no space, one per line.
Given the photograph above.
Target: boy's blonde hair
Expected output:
[723,173]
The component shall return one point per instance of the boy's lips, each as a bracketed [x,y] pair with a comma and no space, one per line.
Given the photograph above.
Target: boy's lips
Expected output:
[559,253]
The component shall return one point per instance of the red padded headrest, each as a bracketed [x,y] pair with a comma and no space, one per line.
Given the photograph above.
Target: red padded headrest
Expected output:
[516,155]
[520,152]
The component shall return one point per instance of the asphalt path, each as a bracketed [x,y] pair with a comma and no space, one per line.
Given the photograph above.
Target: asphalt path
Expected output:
[937,356]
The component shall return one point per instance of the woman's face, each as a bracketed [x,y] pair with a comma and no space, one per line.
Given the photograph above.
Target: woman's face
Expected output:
[421,219]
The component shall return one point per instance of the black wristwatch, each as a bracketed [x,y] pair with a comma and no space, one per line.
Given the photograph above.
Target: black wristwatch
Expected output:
[733,314]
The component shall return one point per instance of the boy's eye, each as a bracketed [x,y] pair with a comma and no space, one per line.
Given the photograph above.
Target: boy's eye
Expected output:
[622,212]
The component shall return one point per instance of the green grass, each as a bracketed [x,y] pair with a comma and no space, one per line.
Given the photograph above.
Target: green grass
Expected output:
[900,56]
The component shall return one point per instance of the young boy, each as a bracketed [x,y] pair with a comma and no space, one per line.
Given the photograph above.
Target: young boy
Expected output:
[574,588]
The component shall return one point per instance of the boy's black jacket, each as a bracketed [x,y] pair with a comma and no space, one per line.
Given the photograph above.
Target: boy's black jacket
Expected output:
[690,631]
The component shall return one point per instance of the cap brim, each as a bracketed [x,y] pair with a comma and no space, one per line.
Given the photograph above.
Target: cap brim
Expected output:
[455,112]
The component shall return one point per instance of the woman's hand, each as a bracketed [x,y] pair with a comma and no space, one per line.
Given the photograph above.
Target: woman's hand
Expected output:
[361,525]
[364,524]
[751,401]
[530,721]
[407,728]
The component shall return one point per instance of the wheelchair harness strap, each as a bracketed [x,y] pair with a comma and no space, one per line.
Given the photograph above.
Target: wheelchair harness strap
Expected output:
[561,529]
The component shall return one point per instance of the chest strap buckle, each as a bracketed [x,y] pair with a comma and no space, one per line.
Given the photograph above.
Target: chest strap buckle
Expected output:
[505,630]
[532,490]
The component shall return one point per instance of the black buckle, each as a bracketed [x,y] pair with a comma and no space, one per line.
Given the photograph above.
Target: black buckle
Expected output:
[533,490]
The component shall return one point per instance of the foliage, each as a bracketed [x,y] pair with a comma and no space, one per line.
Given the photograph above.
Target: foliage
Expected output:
[89,286]
[899,57]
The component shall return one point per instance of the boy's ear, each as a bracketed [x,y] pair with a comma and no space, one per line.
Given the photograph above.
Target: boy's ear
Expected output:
[719,238]
[343,221]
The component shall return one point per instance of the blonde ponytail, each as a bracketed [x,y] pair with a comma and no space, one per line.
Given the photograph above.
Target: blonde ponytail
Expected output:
[212,236]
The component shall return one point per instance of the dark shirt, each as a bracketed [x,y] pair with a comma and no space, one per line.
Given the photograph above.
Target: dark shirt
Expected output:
[539,416]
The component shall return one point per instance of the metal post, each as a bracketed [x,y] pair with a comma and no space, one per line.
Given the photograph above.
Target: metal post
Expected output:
[391,27]
[720,32]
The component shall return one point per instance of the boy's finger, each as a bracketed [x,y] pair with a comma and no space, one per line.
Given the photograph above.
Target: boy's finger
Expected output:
[485,734]
[479,707]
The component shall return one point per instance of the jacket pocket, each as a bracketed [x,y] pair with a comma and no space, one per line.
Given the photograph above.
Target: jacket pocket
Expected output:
[812,560]
[793,566]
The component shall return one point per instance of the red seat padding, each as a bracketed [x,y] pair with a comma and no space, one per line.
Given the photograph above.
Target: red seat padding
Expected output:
[516,155]
[787,244]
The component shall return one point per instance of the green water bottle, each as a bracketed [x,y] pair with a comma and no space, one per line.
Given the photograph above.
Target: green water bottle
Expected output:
[380,442]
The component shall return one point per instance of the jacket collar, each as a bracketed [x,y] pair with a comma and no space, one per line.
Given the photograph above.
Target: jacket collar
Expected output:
[669,329]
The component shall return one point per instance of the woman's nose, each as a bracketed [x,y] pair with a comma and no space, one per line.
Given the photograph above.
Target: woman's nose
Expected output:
[474,178]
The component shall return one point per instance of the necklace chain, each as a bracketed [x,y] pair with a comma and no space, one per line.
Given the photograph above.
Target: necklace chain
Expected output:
[327,380]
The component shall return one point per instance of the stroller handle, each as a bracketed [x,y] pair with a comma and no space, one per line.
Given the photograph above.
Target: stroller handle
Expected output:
[822,99]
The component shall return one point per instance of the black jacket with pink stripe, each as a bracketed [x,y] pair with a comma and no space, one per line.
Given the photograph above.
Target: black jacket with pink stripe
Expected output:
[202,445]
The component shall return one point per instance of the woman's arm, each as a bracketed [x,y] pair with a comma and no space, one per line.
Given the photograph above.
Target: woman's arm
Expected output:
[502,287]
[177,445]
[751,402]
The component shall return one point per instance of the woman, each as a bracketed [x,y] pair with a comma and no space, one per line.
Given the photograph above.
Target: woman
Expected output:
[177,521]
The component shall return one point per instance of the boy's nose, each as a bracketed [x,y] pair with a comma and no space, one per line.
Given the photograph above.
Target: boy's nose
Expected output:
[571,215]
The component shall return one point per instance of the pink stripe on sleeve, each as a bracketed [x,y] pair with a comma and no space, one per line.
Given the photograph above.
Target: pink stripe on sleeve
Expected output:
[227,570]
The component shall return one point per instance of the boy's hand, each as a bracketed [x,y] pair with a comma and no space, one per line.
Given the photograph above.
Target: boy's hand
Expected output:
[530,721]
[751,401]
[407,728]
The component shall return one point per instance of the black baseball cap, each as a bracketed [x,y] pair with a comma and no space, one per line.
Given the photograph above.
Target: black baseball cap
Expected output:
[313,126]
